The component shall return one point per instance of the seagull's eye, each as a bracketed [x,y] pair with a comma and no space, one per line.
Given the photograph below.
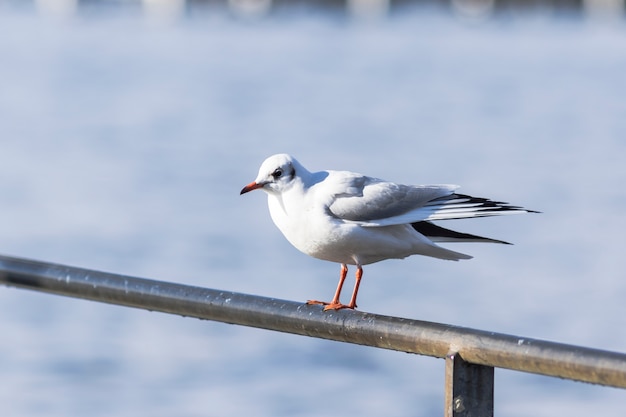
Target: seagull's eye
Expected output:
[278,173]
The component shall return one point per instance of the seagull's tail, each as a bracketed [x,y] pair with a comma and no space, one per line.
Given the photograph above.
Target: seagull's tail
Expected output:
[425,245]
[436,251]
[433,233]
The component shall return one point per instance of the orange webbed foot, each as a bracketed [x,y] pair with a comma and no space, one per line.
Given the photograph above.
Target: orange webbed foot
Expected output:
[331,305]
[337,306]
[315,302]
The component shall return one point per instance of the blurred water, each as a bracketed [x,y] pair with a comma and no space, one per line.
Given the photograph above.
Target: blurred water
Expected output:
[125,144]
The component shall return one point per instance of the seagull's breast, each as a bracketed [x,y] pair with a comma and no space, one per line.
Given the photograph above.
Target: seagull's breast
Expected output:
[304,221]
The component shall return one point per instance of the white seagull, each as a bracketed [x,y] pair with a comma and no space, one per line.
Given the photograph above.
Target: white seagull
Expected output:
[352,219]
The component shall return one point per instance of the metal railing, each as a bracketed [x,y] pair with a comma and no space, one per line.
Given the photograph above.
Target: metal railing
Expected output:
[470,355]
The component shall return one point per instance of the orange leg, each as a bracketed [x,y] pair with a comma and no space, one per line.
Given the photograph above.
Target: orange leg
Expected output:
[334,304]
[357,283]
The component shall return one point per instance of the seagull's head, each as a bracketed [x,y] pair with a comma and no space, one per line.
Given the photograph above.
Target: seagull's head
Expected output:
[277,173]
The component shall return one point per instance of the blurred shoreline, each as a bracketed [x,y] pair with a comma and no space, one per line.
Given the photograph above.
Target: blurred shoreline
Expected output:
[360,10]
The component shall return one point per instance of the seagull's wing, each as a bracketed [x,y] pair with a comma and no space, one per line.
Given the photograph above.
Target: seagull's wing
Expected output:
[373,202]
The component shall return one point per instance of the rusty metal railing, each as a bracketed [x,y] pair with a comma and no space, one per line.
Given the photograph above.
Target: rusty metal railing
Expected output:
[470,355]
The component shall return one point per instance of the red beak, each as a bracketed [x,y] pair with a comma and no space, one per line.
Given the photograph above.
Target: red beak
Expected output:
[250,187]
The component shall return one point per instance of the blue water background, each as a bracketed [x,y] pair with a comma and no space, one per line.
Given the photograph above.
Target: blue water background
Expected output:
[124,144]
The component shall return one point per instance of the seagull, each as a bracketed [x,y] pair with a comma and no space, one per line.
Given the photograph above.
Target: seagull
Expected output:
[353,219]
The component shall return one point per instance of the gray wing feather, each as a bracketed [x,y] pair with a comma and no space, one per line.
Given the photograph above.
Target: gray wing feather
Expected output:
[372,201]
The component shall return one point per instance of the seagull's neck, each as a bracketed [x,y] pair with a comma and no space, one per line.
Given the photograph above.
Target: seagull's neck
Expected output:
[288,201]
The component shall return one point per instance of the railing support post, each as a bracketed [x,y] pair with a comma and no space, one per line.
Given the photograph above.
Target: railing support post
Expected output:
[469,388]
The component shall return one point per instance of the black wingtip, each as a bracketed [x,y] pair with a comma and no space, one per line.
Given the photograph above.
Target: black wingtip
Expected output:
[431,230]
[484,207]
